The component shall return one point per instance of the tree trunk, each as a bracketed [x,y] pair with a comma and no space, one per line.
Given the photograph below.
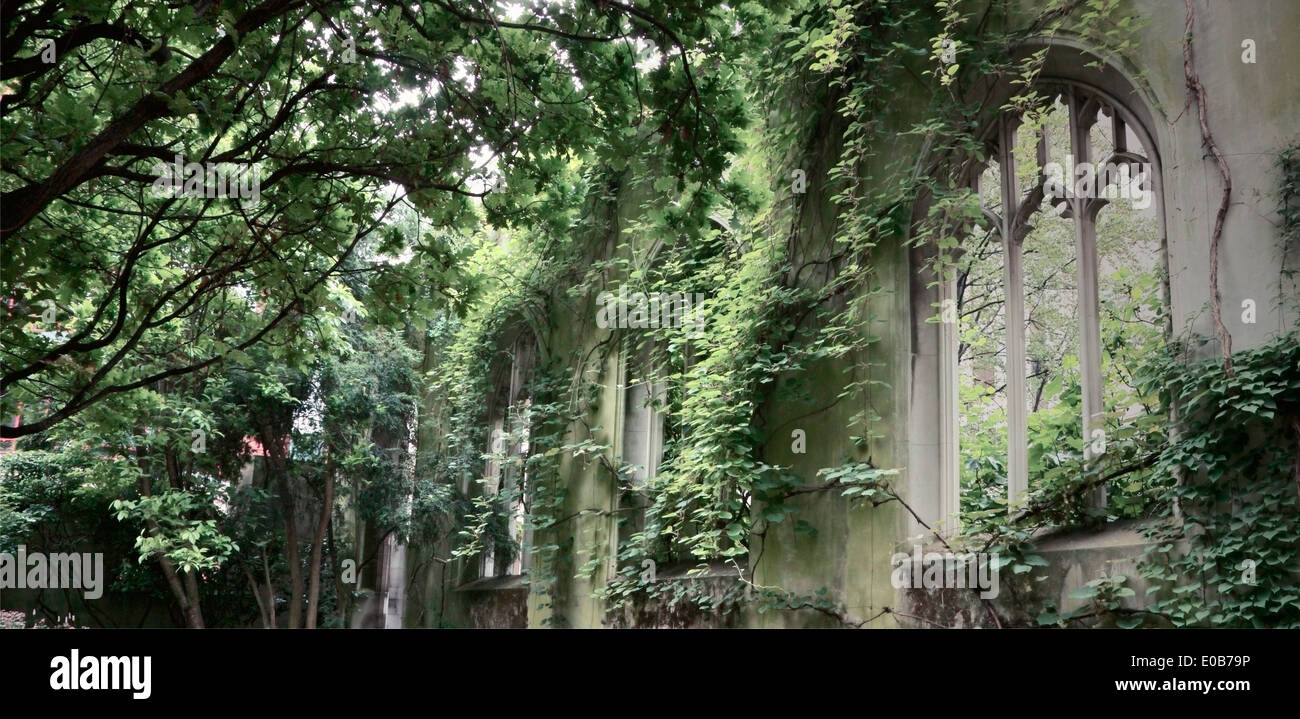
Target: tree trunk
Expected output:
[279,466]
[196,611]
[339,590]
[262,613]
[270,588]
[189,604]
[291,555]
[317,543]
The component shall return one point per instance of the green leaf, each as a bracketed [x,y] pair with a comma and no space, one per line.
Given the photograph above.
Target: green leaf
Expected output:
[1130,622]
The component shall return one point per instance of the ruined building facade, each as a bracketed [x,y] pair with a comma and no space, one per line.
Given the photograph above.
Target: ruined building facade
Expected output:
[1133,107]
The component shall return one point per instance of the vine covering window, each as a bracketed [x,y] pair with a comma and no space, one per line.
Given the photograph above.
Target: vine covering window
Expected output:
[1058,292]
[642,441]
[505,474]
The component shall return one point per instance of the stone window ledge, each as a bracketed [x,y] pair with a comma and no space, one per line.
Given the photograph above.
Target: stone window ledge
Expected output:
[1113,535]
[1123,533]
[493,584]
[682,571]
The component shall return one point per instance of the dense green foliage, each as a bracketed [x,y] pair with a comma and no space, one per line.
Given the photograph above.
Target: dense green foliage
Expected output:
[137,318]
[1229,556]
[249,395]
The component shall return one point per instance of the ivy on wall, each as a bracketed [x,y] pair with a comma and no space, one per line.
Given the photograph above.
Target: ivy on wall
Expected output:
[835,70]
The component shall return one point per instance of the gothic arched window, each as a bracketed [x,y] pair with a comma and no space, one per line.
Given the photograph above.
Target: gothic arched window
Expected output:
[1057,293]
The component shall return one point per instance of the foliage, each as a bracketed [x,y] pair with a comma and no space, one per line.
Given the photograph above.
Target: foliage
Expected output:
[1288,162]
[1230,553]
[192,544]
[329,104]
[60,501]
[367,303]
[1105,595]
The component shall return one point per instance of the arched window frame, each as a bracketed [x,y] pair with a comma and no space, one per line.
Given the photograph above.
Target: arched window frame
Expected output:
[939,456]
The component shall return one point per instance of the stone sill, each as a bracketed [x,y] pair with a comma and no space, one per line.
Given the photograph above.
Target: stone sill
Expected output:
[495,584]
[1121,533]
[682,570]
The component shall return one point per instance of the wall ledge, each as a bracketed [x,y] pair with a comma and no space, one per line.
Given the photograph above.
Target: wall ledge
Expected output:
[494,584]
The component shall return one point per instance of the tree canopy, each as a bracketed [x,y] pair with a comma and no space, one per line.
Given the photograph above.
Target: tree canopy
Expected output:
[341,111]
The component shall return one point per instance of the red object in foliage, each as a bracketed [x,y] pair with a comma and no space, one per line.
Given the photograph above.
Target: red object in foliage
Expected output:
[256,449]
[11,445]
